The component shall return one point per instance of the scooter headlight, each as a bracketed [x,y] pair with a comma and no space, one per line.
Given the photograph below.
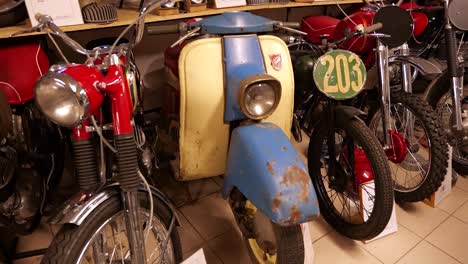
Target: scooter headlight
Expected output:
[259,96]
[62,99]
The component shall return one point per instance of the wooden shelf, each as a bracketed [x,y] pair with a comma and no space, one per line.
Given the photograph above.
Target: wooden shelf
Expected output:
[127,16]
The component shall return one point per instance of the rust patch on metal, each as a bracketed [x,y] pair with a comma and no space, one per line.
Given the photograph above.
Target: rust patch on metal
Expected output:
[295,214]
[283,148]
[276,202]
[312,217]
[266,125]
[296,176]
[270,165]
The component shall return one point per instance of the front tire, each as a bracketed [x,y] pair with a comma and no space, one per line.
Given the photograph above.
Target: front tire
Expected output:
[425,174]
[76,244]
[266,241]
[343,185]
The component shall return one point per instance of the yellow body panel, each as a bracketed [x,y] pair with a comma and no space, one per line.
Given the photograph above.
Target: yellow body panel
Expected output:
[203,135]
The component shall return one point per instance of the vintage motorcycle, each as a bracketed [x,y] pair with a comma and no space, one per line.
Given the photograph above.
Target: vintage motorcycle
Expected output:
[31,146]
[437,41]
[116,216]
[408,128]
[324,83]
[232,85]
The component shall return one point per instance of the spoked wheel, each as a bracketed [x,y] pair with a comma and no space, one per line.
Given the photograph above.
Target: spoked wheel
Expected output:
[419,151]
[266,241]
[443,105]
[102,237]
[343,197]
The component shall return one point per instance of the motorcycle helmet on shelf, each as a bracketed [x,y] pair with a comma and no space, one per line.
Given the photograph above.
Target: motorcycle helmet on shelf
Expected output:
[100,12]
[12,12]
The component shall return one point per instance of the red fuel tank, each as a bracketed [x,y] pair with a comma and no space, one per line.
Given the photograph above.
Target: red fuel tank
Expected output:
[20,67]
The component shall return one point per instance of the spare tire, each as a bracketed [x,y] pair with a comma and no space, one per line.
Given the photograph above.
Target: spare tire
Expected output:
[12,12]
[5,116]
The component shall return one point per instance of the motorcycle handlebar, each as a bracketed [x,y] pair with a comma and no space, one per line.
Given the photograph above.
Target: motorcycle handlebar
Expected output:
[295,25]
[167,29]
[373,28]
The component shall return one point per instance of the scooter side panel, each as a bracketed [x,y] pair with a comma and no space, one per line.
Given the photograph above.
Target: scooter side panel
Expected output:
[274,48]
[264,166]
[203,135]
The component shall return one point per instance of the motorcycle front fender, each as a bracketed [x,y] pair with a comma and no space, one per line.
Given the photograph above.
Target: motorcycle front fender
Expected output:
[81,205]
[425,67]
[264,166]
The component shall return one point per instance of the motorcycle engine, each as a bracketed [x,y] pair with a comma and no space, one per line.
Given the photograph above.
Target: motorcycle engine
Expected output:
[21,183]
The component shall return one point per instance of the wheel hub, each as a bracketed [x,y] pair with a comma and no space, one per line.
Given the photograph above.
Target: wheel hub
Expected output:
[398,150]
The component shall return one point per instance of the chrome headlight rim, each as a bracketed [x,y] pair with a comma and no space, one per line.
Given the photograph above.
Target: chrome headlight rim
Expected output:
[250,81]
[80,97]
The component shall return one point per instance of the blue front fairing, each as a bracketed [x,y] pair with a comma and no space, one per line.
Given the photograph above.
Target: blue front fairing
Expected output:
[234,23]
[242,58]
[264,166]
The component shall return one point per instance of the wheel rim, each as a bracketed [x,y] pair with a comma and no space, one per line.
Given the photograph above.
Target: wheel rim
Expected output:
[411,172]
[342,193]
[109,243]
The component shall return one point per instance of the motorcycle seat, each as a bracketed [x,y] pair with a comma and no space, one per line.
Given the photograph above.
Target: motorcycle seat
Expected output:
[20,67]
[319,26]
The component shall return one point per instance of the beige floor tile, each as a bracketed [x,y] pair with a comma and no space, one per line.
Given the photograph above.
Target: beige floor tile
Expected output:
[451,237]
[210,216]
[425,253]
[455,199]
[210,257]
[189,238]
[319,228]
[420,218]
[400,243]
[31,260]
[462,183]
[230,248]
[41,238]
[462,213]
[334,248]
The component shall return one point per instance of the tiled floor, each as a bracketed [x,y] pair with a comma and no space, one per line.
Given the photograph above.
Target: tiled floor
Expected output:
[426,235]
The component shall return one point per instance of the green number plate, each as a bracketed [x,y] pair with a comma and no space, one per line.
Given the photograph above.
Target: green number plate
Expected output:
[340,74]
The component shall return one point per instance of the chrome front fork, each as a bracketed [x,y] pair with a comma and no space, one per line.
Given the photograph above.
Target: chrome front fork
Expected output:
[457,95]
[134,228]
[407,84]
[384,82]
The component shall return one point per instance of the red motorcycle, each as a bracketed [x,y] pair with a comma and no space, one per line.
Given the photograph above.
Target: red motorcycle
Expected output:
[31,146]
[116,216]
[407,127]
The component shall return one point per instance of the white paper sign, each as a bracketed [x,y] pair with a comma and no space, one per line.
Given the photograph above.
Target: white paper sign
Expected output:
[197,258]
[63,12]
[368,204]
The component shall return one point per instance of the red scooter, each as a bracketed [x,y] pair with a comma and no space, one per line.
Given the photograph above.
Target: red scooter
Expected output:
[407,127]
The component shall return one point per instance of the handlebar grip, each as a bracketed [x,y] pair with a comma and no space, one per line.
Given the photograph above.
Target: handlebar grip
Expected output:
[373,28]
[295,25]
[167,29]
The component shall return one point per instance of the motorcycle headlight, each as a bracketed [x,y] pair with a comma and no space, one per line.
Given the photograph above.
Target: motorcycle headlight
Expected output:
[61,99]
[259,96]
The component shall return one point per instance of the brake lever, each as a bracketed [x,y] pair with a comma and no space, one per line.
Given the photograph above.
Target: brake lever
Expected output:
[186,36]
